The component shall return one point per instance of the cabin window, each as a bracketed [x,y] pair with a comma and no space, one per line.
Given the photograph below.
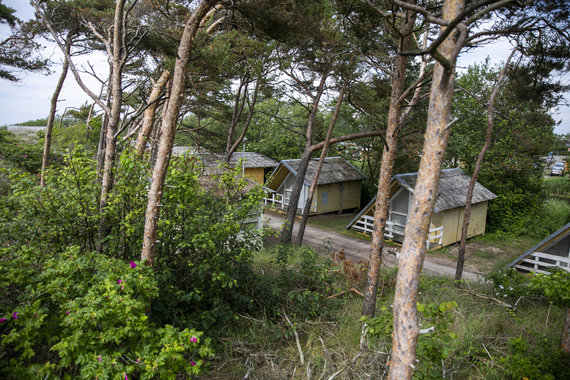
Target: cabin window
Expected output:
[325,198]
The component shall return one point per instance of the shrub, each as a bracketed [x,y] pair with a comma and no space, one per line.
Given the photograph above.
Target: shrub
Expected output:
[205,245]
[25,156]
[85,315]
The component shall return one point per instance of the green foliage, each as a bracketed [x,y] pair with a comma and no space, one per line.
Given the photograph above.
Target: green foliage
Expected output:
[65,137]
[508,283]
[25,156]
[557,187]
[433,346]
[299,287]
[555,286]
[534,358]
[83,314]
[204,255]
[35,123]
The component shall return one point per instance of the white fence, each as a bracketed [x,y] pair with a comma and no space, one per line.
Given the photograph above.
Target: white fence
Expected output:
[277,200]
[366,224]
[540,262]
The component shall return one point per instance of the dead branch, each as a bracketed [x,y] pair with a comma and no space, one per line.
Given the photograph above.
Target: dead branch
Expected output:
[301,356]
[351,290]
[499,302]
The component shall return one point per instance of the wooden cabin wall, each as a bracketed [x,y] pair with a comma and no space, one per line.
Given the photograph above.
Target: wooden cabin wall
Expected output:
[350,197]
[452,221]
[255,174]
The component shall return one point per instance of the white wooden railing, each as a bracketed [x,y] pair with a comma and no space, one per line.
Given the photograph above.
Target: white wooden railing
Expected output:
[277,200]
[366,224]
[540,262]
[435,237]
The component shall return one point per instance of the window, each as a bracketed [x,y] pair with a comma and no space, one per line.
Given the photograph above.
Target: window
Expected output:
[325,198]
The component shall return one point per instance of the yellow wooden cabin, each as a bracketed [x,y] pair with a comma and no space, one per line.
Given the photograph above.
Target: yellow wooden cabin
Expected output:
[447,218]
[254,165]
[338,186]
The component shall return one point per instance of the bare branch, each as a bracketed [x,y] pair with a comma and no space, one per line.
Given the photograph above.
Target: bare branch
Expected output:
[424,12]
[78,79]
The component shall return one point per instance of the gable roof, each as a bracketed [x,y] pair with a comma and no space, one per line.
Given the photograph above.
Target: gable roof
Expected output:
[250,159]
[335,170]
[452,190]
[451,193]
[545,243]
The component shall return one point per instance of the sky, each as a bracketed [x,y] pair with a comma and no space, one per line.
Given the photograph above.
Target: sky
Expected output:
[29,99]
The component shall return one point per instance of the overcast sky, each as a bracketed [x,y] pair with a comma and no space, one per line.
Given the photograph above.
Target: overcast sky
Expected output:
[29,99]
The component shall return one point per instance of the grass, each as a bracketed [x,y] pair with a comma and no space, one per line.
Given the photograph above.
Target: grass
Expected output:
[330,342]
[337,223]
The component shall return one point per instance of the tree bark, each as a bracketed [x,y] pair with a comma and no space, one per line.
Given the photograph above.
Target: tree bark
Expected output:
[307,208]
[386,166]
[168,129]
[473,180]
[101,144]
[287,231]
[406,329]
[233,148]
[117,100]
[565,338]
[150,113]
[53,109]
[118,60]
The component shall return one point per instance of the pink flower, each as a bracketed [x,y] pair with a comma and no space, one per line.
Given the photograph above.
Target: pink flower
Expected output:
[133,264]
[2,320]
[67,312]
[192,363]
[193,339]
[119,281]
[99,357]
[126,378]
[15,315]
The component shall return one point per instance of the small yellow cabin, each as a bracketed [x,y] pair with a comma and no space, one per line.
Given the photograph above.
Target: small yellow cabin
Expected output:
[338,186]
[253,165]
[447,217]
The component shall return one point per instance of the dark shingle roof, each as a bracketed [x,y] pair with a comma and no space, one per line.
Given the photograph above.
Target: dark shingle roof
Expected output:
[250,159]
[452,191]
[335,170]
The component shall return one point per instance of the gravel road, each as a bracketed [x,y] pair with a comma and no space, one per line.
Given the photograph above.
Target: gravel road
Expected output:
[358,249]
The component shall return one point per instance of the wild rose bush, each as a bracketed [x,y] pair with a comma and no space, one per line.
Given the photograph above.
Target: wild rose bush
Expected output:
[86,315]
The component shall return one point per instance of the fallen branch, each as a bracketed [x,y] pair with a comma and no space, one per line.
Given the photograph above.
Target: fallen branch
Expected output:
[350,364]
[501,303]
[301,356]
[351,290]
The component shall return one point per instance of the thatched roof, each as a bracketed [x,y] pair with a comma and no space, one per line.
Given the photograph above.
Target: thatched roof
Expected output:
[452,190]
[335,170]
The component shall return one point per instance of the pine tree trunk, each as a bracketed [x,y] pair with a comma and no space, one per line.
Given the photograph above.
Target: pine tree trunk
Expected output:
[168,129]
[406,329]
[475,175]
[386,168]
[52,111]
[117,60]
[307,208]
[287,231]
[149,115]
[565,338]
